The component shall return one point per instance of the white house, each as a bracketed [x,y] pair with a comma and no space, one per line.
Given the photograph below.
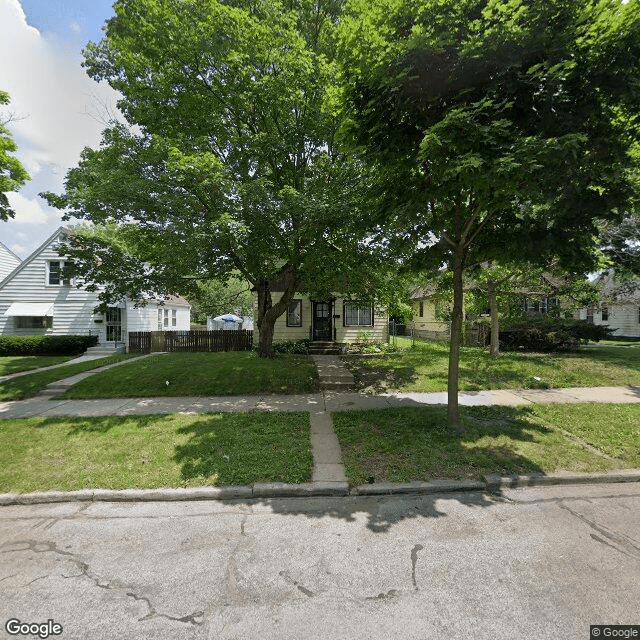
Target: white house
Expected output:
[619,307]
[8,261]
[37,298]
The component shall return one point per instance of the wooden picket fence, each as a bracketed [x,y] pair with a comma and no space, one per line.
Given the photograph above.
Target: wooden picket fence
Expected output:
[221,340]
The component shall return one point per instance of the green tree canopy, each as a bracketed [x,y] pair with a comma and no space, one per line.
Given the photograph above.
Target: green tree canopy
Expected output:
[12,174]
[228,161]
[502,128]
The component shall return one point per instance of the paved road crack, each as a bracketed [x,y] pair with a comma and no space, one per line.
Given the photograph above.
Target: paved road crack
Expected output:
[414,559]
[621,543]
[300,588]
[35,546]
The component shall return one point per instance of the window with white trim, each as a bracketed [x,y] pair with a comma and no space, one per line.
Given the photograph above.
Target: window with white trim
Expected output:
[33,322]
[57,273]
[167,318]
[358,315]
[294,314]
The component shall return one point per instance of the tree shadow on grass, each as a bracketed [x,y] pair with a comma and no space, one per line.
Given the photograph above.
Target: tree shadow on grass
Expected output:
[203,456]
[377,438]
[245,448]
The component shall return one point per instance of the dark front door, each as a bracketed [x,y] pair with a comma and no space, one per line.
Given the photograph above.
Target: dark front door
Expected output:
[322,321]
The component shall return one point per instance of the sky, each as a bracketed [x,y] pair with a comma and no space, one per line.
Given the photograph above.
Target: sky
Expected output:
[57,109]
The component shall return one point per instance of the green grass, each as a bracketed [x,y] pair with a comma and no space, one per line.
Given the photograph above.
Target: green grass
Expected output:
[405,444]
[29,385]
[201,374]
[16,364]
[424,368]
[154,451]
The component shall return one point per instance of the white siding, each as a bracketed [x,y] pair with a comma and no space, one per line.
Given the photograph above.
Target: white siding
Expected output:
[378,332]
[72,307]
[8,262]
[624,318]
[624,308]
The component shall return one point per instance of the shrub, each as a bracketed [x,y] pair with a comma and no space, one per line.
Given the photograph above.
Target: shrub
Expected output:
[45,345]
[295,347]
[551,334]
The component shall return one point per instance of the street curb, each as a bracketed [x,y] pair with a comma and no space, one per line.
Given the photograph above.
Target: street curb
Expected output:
[258,490]
[434,486]
[316,489]
[495,481]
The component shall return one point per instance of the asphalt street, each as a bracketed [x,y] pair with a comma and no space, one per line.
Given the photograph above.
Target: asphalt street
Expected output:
[534,563]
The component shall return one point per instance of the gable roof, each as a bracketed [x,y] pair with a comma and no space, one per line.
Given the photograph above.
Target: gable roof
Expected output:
[34,255]
[11,254]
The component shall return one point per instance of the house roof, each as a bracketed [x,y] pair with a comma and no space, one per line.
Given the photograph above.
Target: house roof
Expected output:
[35,254]
[175,301]
[4,246]
[277,283]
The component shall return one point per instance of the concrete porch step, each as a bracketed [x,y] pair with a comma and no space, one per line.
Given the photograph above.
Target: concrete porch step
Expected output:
[323,347]
[105,349]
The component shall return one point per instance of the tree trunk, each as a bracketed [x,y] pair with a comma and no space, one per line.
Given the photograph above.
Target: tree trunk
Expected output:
[268,312]
[265,333]
[494,349]
[453,410]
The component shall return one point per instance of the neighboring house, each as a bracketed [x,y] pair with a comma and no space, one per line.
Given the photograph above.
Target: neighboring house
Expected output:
[426,314]
[38,298]
[335,319]
[619,307]
[8,261]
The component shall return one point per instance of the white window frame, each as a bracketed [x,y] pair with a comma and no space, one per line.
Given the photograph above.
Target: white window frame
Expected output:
[358,308]
[33,322]
[296,302]
[63,282]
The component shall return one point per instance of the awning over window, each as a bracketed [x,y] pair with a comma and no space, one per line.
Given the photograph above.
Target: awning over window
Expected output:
[30,309]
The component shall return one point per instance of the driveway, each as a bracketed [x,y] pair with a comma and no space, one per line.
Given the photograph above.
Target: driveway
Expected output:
[528,563]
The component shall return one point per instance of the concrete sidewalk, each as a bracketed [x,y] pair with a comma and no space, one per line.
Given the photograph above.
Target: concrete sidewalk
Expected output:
[329,476]
[328,401]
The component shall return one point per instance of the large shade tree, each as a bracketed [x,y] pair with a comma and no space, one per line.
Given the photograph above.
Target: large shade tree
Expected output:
[501,128]
[12,174]
[227,161]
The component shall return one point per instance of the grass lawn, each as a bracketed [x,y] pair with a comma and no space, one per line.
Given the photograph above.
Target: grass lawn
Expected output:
[405,444]
[424,368]
[154,451]
[29,385]
[15,364]
[201,374]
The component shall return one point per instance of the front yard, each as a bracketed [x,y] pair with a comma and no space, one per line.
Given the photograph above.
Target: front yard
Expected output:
[424,368]
[176,450]
[29,385]
[201,374]
[16,364]
[401,445]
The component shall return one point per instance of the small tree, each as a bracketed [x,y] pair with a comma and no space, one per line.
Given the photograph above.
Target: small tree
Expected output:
[12,174]
[501,128]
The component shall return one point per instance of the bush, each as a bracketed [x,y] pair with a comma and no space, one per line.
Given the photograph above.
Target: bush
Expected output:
[295,347]
[45,345]
[551,334]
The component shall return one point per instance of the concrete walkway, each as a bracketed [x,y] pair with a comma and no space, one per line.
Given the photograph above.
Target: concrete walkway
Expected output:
[332,372]
[77,360]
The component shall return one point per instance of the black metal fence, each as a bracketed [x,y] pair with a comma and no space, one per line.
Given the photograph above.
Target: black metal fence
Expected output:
[220,340]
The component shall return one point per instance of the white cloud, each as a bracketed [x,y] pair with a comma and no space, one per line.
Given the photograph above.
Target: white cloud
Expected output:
[56,105]
[18,249]
[75,27]
[32,211]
